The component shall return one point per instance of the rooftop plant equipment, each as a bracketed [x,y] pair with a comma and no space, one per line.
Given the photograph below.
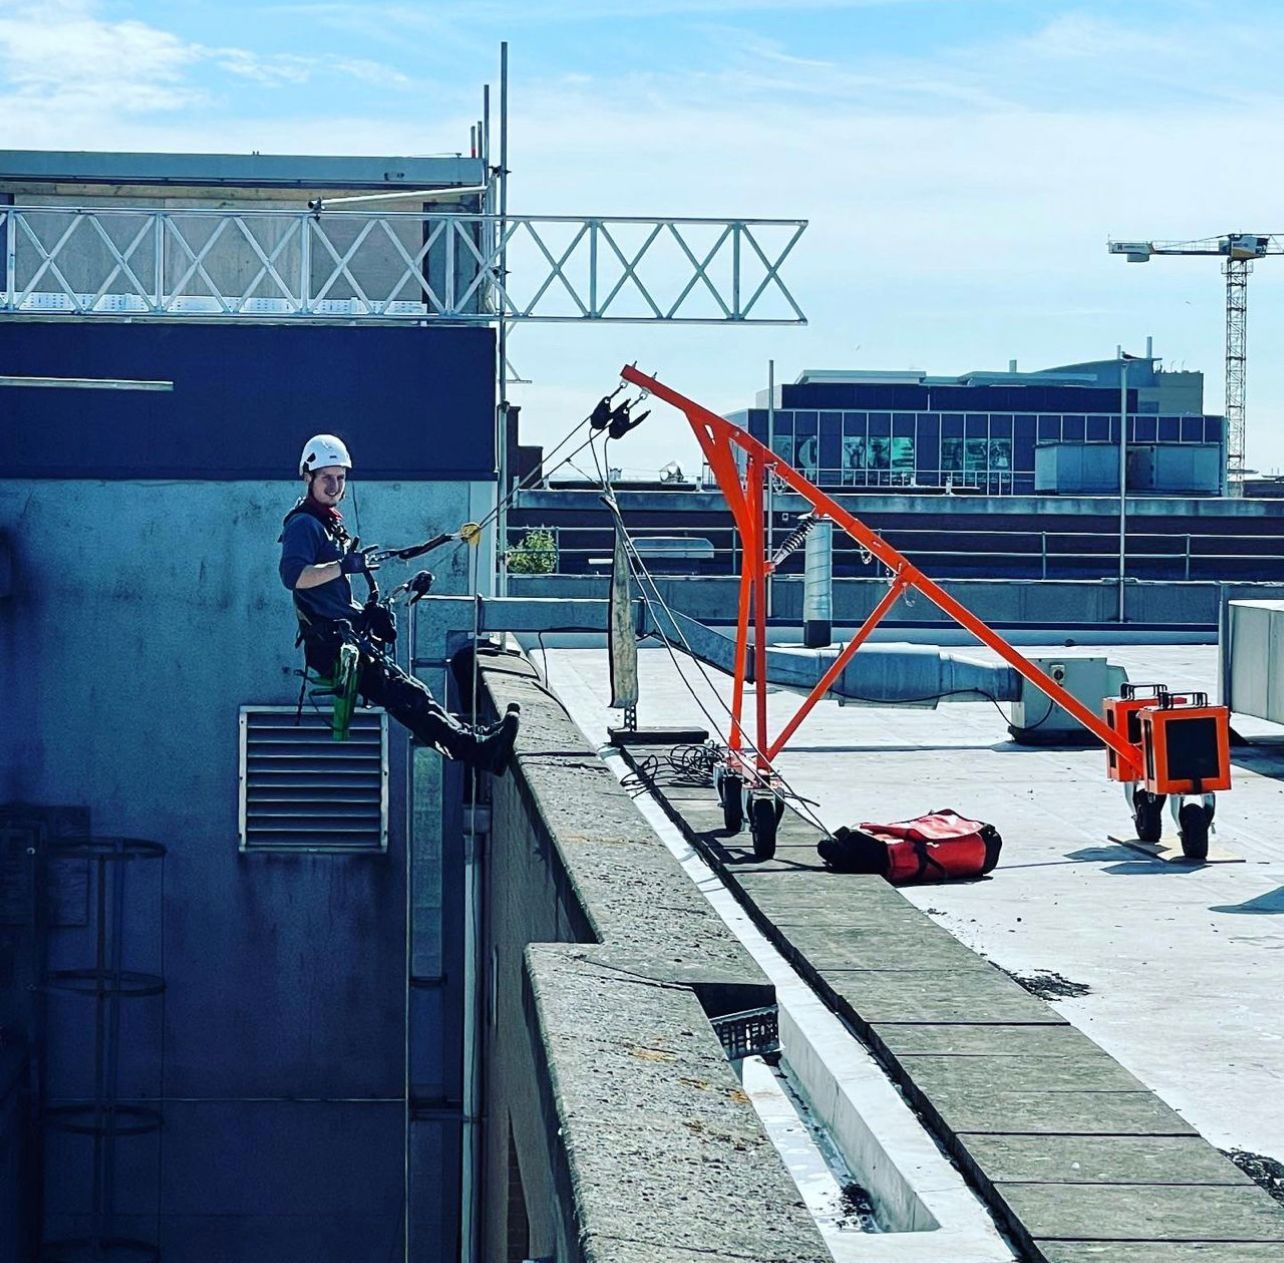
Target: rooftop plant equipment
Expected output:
[1161,753]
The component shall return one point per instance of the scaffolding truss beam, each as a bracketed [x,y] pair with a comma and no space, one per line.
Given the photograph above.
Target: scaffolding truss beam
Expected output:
[397,266]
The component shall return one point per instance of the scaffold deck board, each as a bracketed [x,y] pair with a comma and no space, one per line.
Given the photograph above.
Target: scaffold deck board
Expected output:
[1168,849]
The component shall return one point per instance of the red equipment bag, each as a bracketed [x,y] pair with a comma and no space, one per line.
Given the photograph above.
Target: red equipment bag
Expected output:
[942,846]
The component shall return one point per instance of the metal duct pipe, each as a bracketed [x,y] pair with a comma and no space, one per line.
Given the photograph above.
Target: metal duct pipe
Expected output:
[879,675]
[818,586]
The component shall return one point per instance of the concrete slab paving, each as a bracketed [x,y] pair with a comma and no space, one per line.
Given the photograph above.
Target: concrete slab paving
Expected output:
[1102,1160]
[1047,1043]
[1034,1112]
[1156,1252]
[1124,1212]
[1093,1071]
[898,945]
[973,996]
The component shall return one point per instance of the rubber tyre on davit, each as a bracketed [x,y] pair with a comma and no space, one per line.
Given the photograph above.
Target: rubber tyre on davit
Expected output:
[1193,824]
[763,821]
[730,789]
[1148,816]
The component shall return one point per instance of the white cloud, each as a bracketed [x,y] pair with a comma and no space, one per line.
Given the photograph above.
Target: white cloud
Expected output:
[60,54]
[66,67]
[443,14]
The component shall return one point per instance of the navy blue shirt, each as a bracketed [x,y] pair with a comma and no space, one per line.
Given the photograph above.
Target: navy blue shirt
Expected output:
[305,542]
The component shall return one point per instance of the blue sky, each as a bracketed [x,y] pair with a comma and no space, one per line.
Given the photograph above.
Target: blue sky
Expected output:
[962,163]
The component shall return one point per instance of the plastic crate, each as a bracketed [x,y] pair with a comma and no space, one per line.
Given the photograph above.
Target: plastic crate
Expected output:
[752,1033]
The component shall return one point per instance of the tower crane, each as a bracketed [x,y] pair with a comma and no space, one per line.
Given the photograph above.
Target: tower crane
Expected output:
[1238,250]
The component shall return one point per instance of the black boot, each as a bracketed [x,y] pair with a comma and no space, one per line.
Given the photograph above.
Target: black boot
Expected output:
[488,749]
[495,747]
[513,708]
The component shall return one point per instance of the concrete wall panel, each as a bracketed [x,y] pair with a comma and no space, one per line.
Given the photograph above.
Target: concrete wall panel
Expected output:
[144,615]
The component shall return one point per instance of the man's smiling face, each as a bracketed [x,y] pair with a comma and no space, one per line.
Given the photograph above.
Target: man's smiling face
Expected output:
[328,485]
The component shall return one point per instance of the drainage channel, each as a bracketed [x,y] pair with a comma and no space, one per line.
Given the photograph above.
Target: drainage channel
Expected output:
[875,1181]
[836,1199]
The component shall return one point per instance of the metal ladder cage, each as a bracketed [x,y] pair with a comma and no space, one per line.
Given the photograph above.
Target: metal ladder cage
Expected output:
[105,1120]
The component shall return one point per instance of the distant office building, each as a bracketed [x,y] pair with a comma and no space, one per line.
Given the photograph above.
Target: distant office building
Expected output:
[998,433]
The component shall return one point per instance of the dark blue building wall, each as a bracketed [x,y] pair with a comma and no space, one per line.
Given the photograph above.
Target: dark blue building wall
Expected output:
[144,610]
[411,403]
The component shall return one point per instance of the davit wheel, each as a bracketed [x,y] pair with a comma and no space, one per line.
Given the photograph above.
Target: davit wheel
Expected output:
[1193,822]
[733,811]
[763,820]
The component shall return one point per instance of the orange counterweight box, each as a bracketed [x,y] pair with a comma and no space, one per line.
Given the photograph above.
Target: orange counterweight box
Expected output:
[1121,715]
[1185,745]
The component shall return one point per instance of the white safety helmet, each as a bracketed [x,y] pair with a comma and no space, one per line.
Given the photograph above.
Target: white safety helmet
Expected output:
[322,450]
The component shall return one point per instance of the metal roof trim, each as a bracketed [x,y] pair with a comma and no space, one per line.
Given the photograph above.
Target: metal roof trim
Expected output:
[253,170]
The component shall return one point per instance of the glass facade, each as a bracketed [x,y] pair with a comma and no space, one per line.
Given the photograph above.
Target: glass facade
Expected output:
[992,452]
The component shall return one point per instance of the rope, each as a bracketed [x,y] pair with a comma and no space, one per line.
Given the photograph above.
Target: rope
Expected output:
[790,797]
[544,472]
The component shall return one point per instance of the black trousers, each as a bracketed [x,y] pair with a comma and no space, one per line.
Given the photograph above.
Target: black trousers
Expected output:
[407,699]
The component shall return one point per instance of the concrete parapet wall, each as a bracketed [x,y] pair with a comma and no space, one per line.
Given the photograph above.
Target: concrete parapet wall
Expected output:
[614,1127]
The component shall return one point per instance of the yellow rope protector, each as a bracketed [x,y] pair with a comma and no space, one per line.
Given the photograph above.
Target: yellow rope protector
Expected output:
[470,533]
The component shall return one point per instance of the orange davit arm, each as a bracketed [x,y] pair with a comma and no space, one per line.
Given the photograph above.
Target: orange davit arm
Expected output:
[719,438]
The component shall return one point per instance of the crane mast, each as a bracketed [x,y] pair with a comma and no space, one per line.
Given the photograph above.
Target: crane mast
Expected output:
[1237,250]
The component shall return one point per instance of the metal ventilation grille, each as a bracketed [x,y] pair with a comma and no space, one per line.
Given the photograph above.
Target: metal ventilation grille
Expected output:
[303,791]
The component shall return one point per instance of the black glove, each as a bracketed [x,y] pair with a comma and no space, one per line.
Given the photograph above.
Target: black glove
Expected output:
[381,623]
[357,560]
[420,585]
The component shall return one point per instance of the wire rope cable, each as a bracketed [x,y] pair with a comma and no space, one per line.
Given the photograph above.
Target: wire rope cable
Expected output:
[790,798]
[543,473]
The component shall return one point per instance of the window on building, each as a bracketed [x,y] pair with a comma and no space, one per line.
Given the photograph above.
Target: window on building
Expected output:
[782,436]
[951,455]
[853,458]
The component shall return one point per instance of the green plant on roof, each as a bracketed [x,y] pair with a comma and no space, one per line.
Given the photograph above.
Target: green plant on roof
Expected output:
[536,554]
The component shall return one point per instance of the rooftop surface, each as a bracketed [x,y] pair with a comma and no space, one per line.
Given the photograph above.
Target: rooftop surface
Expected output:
[1173,970]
